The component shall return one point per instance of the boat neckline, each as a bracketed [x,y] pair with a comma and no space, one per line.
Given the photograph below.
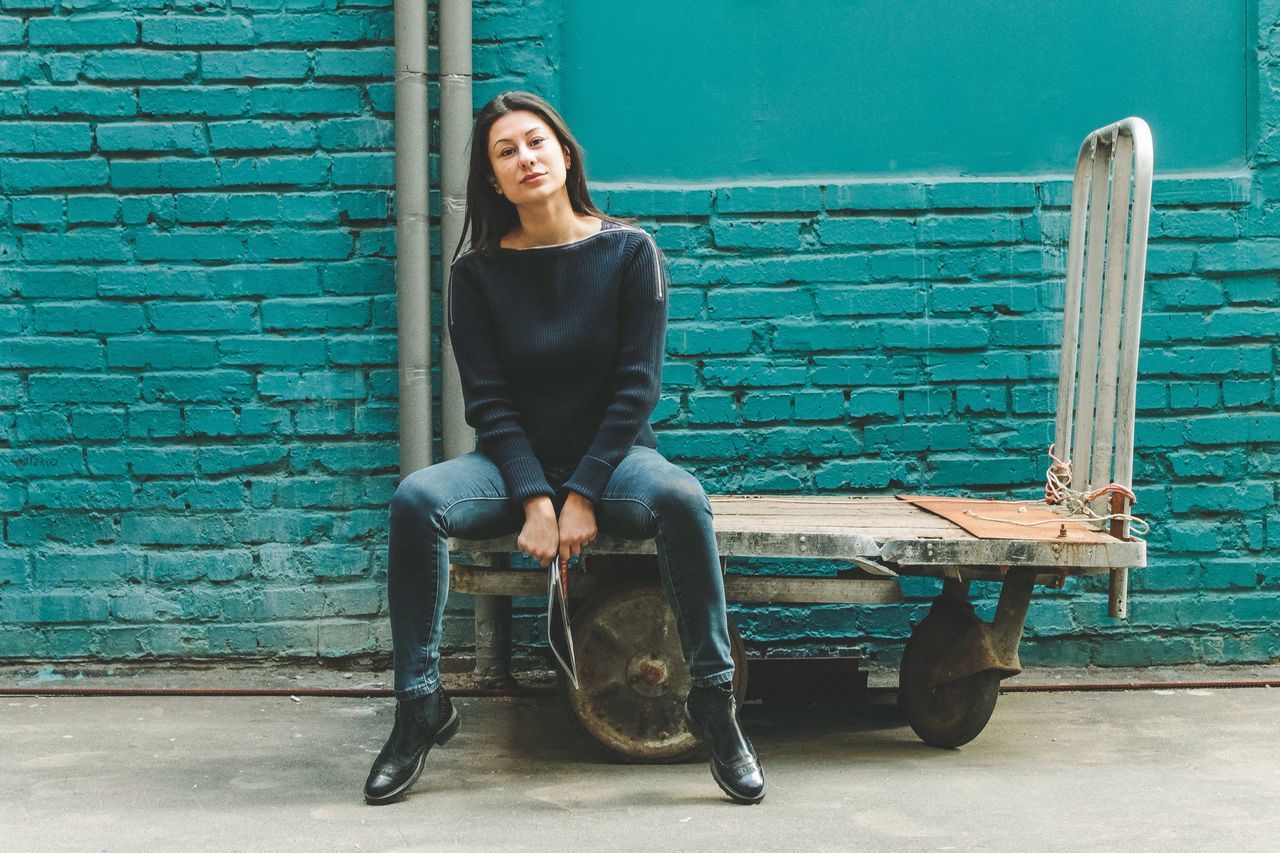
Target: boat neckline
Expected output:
[604,227]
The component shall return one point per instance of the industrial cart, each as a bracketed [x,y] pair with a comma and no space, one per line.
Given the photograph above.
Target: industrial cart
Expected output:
[632,676]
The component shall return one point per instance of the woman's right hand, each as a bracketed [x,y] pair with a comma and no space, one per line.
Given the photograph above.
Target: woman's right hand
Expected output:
[540,537]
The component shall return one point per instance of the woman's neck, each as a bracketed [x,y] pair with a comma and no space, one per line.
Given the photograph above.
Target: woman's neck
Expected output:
[548,224]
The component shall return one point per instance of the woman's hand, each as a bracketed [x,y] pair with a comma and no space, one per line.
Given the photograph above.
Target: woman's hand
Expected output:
[539,537]
[577,526]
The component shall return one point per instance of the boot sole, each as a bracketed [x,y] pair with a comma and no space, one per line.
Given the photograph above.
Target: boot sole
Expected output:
[715,770]
[442,737]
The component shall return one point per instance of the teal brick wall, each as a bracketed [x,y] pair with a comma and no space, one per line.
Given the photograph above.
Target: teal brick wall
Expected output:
[197,346]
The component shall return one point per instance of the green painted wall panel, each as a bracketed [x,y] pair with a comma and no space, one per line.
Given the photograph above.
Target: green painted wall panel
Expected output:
[769,89]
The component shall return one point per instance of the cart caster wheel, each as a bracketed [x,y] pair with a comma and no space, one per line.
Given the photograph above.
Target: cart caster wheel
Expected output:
[632,676]
[956,712]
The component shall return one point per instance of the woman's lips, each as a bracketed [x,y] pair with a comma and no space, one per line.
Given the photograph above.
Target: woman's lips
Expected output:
[533,178]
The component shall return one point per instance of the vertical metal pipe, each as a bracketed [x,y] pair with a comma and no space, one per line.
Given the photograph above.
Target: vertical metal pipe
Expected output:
[455,129]
[492,613]
[413,251]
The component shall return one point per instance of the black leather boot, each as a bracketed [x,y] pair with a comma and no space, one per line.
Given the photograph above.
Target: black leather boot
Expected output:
[711,714]
[420,724]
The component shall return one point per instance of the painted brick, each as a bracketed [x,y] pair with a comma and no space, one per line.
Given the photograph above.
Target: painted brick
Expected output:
[33,175]
[81,100]
[933,335]
[152,281]
[255,65]
[303,171]
[826,337]
[866,231]
[208,386]
[38,425]
[983,194]
[376,205]
[326,421]
[190,30]
[164,353]
[311,386]
[857,474]
[365,62]
[357,350]
[353,170]
[96,425]
[106,318]
[85,567]
[189,245]
[198,101]
[272,351]
[97,210]
[75,30]
[139,65]
[304,28]
[37,210]
[657,202]
[50,352]
[173,136]
[46,138]
[255,135]
[200,316]
[53,608]
[869,301]
[1010,297]
[314,100]
[217,461]
[758,234]
[703,340]
[712,409]
[802,198]
[280,244]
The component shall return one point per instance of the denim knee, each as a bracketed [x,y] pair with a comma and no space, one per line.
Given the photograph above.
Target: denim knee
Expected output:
[679,495]
[418,496]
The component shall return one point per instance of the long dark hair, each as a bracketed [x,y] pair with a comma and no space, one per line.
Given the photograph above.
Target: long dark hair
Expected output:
[489,216]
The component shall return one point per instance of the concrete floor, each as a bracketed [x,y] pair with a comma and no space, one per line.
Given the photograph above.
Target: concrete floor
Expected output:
[1153,770]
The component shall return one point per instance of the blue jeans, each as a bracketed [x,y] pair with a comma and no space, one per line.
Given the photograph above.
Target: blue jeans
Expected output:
[647,497]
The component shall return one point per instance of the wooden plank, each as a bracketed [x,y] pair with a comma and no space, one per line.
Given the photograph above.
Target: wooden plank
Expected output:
[788,590]
[767,589]
[901,554]
[731,543]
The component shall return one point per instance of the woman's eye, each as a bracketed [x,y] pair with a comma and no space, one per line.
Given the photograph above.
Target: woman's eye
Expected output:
[536,140]
[506,151]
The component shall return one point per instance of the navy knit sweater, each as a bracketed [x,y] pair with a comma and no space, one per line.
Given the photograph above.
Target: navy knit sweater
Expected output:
[560,354]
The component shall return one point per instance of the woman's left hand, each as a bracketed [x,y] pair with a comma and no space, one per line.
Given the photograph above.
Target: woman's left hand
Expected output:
[577,526]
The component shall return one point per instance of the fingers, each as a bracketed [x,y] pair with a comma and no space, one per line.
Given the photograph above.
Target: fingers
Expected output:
[545,562]
[569,548]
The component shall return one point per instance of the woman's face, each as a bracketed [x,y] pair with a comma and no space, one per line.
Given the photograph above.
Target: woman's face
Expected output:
[528,162]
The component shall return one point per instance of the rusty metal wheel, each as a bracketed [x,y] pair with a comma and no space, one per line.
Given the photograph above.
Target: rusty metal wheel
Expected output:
[953,713]
[632,675]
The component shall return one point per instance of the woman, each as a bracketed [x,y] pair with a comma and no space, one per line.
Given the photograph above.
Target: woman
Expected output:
[558,316]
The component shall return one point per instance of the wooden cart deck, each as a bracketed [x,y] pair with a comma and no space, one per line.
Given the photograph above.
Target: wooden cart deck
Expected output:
[877,531]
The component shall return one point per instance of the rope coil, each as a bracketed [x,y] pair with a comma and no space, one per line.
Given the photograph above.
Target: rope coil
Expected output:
[1057,490]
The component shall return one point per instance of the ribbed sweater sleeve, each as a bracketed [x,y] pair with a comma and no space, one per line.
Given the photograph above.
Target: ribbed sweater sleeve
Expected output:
[487,397]
[642,306]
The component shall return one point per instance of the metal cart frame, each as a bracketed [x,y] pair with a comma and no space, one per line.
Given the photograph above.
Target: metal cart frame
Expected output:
[953,662]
